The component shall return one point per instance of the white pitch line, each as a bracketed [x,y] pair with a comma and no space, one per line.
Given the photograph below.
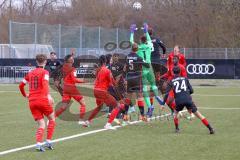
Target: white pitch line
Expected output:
[75,136]
[218,95]
[211,108]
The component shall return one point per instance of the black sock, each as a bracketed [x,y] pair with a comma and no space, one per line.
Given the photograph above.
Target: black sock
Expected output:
[141,109]
[209,127]
[126,109]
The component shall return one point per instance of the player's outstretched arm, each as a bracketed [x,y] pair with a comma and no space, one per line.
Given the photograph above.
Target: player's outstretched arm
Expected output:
[133,28]
[162,45]
[145,30]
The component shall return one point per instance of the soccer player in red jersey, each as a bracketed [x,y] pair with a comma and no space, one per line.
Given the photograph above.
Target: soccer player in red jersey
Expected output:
[40,101]
[176,52]
[169,76]
[104,80]
[70,89]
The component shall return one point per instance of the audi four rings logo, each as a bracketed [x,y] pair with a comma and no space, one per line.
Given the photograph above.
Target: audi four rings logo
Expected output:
[200,69]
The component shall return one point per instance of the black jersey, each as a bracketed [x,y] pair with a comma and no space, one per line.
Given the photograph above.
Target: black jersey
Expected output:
[116,69]
[157,44]
[134,64]
[52,65]
[182,90]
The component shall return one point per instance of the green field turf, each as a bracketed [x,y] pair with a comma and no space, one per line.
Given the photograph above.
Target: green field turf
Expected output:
[154,140]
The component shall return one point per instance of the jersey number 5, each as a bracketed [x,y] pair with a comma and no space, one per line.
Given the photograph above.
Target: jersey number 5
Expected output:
[130,62]
[182,86]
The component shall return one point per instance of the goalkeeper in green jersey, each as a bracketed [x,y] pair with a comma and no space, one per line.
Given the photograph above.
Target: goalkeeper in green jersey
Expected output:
[145,49]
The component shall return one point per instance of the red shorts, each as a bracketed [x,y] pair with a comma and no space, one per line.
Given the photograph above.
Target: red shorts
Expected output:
[103,96]
[67,97]
[40,108]
[71,91]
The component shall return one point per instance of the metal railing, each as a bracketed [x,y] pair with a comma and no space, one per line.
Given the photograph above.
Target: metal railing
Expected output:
[190,53]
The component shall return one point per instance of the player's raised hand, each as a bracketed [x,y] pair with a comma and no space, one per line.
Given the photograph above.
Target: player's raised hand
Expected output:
[145,27]
[133,28]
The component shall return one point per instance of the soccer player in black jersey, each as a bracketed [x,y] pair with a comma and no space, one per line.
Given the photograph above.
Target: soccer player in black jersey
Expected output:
[54,67]
[156,53]
[116,68]
[53,63]
[133,77]
[182,94]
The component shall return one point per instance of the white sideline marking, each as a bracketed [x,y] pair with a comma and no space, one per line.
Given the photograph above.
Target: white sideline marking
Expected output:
[218,95]
[219,108]
[77,135]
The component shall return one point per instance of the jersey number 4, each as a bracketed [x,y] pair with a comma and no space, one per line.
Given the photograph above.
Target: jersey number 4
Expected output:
[179,87]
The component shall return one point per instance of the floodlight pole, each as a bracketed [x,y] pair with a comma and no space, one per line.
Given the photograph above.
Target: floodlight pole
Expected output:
[99,39]
[35,38]
[117,41]
[80,45]
[59,39]
[10,38]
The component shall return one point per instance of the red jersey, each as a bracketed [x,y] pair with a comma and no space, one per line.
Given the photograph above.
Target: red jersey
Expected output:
[181,58]
[38,84]
[169,75]
[103,78]
[70,75]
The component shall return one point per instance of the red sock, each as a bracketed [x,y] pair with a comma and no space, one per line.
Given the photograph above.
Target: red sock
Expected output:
[59,111]
[173,105]
[94,113]
[50,129]
[151,100]
[39,135]
[113,115]
[176,122]
[82,110]
[141,107]
[205,122]
[127,101]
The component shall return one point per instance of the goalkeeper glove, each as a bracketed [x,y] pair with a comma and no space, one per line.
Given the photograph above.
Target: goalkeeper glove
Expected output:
[145,27]
[133,28]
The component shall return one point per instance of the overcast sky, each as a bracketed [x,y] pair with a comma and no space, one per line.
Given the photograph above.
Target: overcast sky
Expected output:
[18,3]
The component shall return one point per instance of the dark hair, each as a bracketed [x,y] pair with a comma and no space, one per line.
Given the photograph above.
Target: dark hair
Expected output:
[108,58]
[41,58]
[135,47]
[150,31]
[116,54]
[143,39]
[102,59]
[67,57]
[176,70]
[53,53]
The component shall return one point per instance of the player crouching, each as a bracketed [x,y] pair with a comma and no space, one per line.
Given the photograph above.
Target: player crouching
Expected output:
[40,101]
[182,94]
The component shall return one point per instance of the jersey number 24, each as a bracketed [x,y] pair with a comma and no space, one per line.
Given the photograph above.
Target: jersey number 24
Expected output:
[180,86]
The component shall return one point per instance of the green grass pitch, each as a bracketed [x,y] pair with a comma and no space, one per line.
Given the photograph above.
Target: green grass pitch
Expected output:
[144,141]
